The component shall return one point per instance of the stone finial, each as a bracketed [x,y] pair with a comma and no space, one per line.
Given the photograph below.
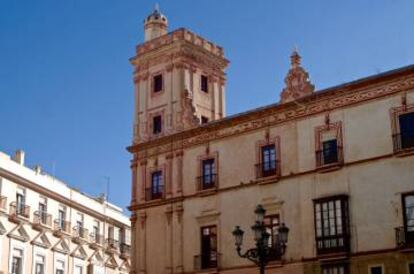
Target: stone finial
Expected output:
[190,118]
[297,81]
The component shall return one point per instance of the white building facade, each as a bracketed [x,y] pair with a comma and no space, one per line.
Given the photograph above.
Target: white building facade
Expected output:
[48,227]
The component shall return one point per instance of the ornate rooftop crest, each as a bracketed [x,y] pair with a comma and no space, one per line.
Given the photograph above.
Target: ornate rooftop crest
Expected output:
[297,81]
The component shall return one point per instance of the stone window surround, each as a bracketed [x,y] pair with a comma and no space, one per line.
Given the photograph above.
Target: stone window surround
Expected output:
[208,155]
[162,91]
[39,252]
[151,122]
[269,141]
[163,169]
[16,245]
[395,113]
[319,131]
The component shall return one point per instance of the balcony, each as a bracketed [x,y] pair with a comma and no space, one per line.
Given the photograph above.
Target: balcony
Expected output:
[327,160]
[156,193]
[96,240]
[19,212]
[61,228]
[3,203]
[42,220]
[332,244]
[112,245]
[404,238]
[403,143]
[80,234]
[207,182]
[267,169]
[207,263]
[125,250]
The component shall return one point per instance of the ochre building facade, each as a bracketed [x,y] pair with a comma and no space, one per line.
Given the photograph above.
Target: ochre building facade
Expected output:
[335,165]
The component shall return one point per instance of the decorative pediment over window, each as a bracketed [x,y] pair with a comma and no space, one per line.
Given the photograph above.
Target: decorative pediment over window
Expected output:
[297,81]
[41,240]
[61,246]
[79,253]
[189,118]
[19,233]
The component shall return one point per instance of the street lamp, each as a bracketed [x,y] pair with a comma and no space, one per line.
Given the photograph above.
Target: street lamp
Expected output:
[260,255]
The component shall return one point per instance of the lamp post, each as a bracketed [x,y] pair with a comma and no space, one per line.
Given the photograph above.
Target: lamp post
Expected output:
[260,255]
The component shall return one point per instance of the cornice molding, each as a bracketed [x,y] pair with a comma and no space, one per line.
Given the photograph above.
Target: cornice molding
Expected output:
[319,102]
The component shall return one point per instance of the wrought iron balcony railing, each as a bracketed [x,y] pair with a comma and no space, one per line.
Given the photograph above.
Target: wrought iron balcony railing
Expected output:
[125,249]
[403,237]
[62,225]
[329,157]
[112,244]
[80,232]
[154,193]
[96,238]
[42,218]
[267,169]
[403,141]
[19,210]
[207,181]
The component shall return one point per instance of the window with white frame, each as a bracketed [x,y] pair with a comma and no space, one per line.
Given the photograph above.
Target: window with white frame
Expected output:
[17,261]
[39,264]
[78,269]
[60,267]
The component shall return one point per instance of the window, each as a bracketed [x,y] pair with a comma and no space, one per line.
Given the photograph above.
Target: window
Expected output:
[408,204]
[407,130]
[39,264]
[335,269]
[208,177]
[78,269]
[157,83]
[267,167]
[157,124]
[208,247]
[62,217]
[79,220]
[60,267]
[157,185]
[110,232]
[20,201]
[204,120]
[331,221]
[329,152]
[271,223]
[96,231]
[375,270]
[204,83]
[16,263]
[43,210]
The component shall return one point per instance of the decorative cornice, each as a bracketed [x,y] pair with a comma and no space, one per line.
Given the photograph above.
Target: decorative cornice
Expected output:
[326,100]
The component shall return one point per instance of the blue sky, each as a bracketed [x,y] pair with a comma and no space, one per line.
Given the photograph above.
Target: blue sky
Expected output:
[65,82]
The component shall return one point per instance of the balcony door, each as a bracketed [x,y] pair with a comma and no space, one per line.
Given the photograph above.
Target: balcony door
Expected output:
[208,247]
[20,201]
[407,130]
[408,202]
[268,160]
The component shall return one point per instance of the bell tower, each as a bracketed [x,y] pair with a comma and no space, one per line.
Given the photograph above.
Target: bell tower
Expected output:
[179,80]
